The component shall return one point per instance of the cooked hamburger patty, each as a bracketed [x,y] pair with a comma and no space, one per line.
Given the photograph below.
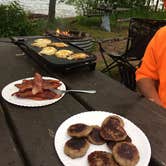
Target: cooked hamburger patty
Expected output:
[118,119]
[113,121]
[76,147]
[94,137]
[126,154]
[101,158]
[79,130]
[111,144]
[112,130]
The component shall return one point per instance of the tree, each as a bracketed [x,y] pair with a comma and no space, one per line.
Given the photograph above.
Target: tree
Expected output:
[86,4]
[51,12]
[156,6]
[148,3]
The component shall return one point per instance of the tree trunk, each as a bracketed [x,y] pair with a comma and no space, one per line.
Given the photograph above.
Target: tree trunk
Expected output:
[51,12]
[156,7]
[148,3]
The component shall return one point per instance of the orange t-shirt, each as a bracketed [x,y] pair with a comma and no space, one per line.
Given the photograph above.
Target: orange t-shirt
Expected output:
[154,62]
[165,4]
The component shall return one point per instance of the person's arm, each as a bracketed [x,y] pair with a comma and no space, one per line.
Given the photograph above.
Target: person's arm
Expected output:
[148,73]
[148,88]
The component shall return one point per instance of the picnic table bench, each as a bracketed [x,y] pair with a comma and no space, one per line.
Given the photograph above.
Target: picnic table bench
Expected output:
[105,12]
[34,128]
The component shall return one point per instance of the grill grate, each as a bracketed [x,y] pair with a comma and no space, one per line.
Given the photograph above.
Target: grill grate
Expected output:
[80,39]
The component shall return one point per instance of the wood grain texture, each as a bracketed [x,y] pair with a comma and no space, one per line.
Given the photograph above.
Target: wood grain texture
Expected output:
[35,127]
[8,149]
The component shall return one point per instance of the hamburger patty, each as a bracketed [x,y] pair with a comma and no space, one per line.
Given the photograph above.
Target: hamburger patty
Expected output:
[76,147]
[111,144]
[112,130]
[94,137]
[101,158]
[120,121]
[126,154]
[79,130]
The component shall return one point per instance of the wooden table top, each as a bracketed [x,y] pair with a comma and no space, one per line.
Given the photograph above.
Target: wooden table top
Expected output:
[33,129]
[9,152]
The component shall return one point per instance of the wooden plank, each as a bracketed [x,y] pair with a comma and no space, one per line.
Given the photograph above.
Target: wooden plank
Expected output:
[109,92]
[34,128]
[93,13]
[5,42]
[113,97]
[9,153]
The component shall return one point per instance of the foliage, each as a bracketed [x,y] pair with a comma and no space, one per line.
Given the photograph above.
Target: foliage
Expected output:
[14,21]
[83,5]
[142,13]
[90,21]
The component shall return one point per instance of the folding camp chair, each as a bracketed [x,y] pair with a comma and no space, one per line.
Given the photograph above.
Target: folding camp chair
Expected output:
[127,75]
[139,34]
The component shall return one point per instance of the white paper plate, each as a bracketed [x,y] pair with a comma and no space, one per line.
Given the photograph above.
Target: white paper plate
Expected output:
[96,118]
[9,89]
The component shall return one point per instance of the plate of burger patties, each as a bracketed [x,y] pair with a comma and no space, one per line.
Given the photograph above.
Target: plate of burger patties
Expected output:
[99,138]
[34,91]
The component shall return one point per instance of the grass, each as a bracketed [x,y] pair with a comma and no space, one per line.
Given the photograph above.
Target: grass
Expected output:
[91,25]
[22,25]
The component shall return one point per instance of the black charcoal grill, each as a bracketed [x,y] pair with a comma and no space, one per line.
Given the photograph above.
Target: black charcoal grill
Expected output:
[80,39]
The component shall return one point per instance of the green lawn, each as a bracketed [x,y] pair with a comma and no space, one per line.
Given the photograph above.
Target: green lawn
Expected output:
[92,26]
[22,25]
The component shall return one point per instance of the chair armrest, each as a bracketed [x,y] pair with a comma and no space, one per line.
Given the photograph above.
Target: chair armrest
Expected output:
[116,52]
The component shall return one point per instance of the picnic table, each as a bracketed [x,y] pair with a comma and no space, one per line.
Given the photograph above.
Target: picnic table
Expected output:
[27,134]
[108,11]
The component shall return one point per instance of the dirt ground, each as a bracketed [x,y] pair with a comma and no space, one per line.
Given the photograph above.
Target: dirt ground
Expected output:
[114,47]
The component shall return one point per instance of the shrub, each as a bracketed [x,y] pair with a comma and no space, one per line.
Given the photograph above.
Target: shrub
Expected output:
[14,20]
[89,21]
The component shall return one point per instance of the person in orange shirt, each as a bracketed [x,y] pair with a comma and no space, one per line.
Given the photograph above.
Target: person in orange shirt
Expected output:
[151,76]
[164,3]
